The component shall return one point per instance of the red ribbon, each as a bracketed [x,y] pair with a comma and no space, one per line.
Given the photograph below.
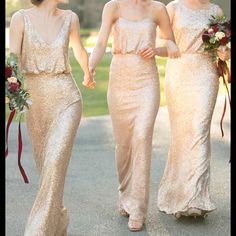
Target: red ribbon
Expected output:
[8,126]
[20,145]
[221,65]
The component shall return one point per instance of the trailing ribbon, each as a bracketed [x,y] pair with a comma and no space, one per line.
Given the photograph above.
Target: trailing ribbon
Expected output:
[20,145]
[8,126]
[222,70]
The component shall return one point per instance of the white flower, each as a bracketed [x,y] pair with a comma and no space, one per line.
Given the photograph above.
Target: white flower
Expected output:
[12,79]
[219,35]
[24,110]
[29,102]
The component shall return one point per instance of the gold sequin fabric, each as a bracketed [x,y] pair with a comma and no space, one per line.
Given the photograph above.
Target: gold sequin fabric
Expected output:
[52,122]
[191,86]
[133,101]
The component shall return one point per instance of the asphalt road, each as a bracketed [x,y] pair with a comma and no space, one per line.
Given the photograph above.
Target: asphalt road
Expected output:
[91,184]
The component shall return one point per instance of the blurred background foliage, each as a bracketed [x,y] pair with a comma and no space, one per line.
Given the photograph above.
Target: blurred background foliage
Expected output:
[89,11]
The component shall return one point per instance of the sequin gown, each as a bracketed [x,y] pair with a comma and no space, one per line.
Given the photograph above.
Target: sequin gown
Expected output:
[52,122]
[133,101]
[191,85]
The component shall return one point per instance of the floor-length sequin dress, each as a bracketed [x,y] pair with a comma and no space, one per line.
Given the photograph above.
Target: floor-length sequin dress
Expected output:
[133,100]
[52,123]
[191,90]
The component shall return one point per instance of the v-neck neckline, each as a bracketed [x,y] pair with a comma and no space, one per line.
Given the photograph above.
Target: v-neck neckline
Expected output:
[40,37]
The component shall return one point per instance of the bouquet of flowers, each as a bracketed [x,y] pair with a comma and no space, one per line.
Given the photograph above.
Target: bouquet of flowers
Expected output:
[218,37]
[18,100]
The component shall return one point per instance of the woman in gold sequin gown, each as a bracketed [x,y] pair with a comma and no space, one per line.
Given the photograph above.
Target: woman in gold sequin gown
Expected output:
[191,86]
[55,114]
[133,94]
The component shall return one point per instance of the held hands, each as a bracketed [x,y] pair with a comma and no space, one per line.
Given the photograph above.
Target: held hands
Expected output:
[148,53]
[224,53]
[89,81]
[172,49]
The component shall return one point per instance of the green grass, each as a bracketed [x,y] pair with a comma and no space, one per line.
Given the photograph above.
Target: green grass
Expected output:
[94,100]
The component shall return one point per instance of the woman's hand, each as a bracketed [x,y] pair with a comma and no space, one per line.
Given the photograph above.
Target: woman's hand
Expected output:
[224,53]
[89,81]
[148,53]
[172,49]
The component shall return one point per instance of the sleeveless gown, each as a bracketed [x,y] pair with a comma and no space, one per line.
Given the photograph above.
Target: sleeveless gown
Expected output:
[191,85]
[52,122]
[133,101]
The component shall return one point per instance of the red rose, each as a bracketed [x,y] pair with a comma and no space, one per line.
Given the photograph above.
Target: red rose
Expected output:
[224,41]
[227,33]
[227,25]
[8,71]
[205,38]
[215,28]
[13,87]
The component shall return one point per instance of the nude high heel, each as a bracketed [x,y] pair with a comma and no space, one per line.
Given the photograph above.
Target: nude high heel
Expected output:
[135,225]
[194,212]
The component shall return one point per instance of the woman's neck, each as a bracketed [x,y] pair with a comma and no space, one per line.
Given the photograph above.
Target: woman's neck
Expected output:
[138,1]
[49,7]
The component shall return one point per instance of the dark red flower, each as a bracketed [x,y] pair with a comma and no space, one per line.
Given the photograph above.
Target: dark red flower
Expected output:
[205,38]
[227,25]
[8,71]
[220,71]
[224,41]
[221,67]
[215,28]
[13,87]
[227,33]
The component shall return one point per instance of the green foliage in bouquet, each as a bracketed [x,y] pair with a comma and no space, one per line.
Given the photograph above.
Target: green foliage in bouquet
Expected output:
[16,96]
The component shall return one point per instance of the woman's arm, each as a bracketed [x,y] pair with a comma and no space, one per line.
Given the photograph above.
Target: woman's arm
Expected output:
[162,51]
[165,33]
[16,34]
[79,51]
[109,15]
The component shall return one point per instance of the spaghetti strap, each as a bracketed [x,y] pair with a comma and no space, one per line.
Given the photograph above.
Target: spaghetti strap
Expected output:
[22,12]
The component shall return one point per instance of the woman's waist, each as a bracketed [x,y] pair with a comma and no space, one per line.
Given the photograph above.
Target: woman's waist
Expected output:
[33,67]
[131,58]
[45,81]
[197,56]
[193,63]
[131,46]
[47,75]
[133,65]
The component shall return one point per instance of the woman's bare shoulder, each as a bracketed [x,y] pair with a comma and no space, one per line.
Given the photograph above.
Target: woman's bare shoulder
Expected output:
[161,6]
[18,17]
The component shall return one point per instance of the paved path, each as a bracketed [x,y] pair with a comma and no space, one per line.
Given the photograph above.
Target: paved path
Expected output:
[91,184]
